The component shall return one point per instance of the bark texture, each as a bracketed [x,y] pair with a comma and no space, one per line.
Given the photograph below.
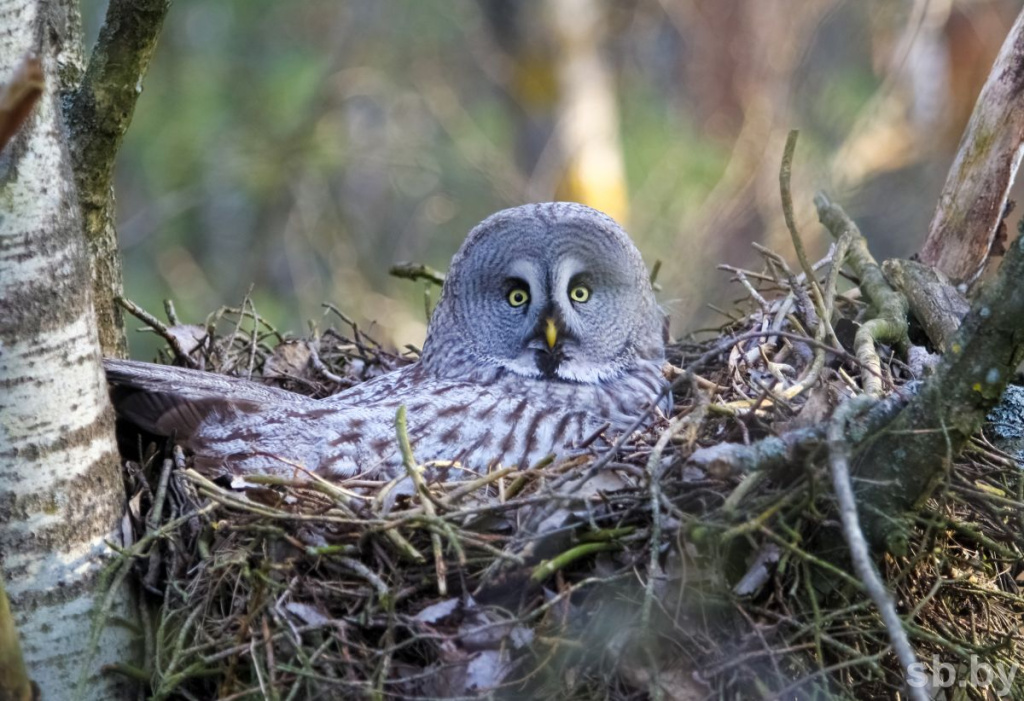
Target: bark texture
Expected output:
[61,496]
[909,457]
[98,113]
[971,206]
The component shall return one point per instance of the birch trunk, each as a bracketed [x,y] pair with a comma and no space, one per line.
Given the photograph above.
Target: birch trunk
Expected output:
[61,495]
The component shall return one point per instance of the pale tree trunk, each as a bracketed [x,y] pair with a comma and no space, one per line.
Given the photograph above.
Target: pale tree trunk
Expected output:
[974,198]
[61,496]
[563,91]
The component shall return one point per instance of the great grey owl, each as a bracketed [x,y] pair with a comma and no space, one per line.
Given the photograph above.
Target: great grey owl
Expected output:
[546,333]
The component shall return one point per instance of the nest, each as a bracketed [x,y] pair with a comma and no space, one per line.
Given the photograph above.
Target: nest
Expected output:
[631,573]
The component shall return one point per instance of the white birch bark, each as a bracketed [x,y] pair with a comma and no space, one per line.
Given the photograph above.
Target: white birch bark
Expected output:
[61,495]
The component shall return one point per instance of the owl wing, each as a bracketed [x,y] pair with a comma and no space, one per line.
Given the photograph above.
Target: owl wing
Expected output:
[166,400]
[241,427]
[238,426]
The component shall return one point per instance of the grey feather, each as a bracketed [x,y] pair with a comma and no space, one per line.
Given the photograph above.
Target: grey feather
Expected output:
[488,390]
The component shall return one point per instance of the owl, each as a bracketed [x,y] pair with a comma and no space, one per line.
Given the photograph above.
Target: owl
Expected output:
[546,337]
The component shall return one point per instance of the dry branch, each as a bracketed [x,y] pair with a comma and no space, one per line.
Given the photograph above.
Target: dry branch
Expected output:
[973,200]
[839,459]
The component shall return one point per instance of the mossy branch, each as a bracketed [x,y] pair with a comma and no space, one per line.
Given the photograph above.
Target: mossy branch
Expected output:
[889,307]
[98,113]
[902,467]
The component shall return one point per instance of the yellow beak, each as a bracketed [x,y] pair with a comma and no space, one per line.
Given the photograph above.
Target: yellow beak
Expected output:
[551,333]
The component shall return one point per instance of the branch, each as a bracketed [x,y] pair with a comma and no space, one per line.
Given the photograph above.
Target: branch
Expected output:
[889,322]
[98,114]
[417,271]
[902,467]
[971,206]
[839,462]
[774,454]
[934,301]
[101,109]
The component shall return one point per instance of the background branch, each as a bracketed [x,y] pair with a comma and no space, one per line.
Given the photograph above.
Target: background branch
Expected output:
[971,206]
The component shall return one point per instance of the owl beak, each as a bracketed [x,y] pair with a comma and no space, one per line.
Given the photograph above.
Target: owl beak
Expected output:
[551,333]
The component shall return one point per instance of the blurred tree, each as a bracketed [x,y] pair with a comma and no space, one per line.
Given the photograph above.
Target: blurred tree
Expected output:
[563,94]
[305,147]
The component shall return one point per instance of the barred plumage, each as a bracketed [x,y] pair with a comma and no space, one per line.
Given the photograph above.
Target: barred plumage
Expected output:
[498,383]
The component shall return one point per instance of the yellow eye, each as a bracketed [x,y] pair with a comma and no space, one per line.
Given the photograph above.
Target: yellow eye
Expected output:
[580,293]
[518,297]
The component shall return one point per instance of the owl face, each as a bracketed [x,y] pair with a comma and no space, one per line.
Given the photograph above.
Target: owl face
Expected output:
[553,291]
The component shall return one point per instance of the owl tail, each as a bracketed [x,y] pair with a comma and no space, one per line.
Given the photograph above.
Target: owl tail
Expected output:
[166,400]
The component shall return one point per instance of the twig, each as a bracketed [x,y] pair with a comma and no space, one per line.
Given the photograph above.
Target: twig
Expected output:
[839,461]
[417,271]
[159,327]
[889,324]
[156,511]
[785,172]
[548,567]
[654,470]
[318,365]
[413,471]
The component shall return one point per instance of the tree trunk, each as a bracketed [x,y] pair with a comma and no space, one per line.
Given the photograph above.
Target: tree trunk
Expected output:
[61,496]
[974,197]
[98,112]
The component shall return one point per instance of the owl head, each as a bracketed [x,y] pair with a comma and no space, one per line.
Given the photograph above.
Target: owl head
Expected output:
[554,291]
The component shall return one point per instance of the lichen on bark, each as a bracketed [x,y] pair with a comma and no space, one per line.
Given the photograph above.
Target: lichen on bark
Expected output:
[902,465]
[98,112]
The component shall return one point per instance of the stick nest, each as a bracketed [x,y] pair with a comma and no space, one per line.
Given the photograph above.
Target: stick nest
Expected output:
[656,575]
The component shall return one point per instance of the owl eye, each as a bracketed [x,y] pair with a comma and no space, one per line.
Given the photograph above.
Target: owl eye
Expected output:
[580,293]
[518,297]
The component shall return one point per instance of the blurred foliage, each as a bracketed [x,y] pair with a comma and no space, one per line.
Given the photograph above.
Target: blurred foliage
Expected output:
[301,148]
